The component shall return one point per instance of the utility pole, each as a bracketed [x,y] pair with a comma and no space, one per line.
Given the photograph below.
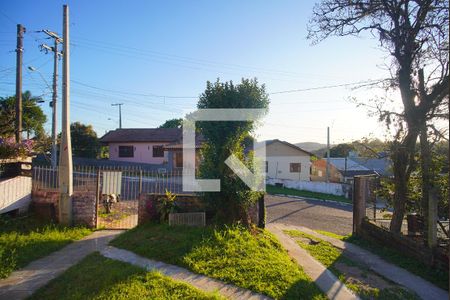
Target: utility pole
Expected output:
[19,61]
[65,150]
[120,113]
[56,55]
[328,154]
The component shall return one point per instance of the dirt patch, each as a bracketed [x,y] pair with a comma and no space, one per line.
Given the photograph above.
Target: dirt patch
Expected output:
[123,215]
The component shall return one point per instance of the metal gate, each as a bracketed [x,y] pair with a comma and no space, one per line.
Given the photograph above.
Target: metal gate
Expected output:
[118,194]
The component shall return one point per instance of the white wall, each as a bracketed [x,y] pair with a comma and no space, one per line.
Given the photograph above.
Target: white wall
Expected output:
[15,193]
[279,167]
[337,189]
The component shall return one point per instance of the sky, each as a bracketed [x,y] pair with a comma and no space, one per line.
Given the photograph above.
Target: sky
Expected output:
[156,57]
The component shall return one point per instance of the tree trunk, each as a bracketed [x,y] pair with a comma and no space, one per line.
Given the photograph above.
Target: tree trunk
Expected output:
[425,164]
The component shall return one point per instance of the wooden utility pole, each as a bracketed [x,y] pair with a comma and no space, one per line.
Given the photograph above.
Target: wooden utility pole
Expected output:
[65,151]
[328,154]
[19,61]
[56,55]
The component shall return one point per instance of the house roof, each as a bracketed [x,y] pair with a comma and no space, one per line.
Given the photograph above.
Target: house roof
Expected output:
[128,135]
[269,142]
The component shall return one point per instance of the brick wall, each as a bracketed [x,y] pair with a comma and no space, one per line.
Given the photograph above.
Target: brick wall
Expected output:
[45,205]
[147,205]
[84,210]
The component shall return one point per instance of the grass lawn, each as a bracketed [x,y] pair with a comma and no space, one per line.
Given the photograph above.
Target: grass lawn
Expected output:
[271,189]
[433,275]
[356,276]
[97,277]
[253,260]
[25,239]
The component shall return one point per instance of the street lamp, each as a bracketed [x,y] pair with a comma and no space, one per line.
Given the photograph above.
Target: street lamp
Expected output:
[53,106]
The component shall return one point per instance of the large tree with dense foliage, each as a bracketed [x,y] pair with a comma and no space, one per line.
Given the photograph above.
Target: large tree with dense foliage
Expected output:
[84,140]
[33,118]
[341,150]
[225,138]
[172,123]
[415,34]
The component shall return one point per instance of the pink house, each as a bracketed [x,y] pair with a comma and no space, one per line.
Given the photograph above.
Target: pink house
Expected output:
[156,146]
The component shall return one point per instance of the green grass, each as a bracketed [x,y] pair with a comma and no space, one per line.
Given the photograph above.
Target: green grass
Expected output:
[271,189]
[25,239]
[330,256]
[97,277]
[253,260]
[433,275]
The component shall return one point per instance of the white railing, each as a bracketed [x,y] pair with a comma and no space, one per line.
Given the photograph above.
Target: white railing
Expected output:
[15,193]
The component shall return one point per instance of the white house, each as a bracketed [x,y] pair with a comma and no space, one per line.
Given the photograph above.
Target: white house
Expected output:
[287,161]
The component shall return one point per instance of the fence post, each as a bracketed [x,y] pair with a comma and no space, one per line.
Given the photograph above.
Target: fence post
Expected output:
[261,212]
[359,202]
[97,198]
[140,182]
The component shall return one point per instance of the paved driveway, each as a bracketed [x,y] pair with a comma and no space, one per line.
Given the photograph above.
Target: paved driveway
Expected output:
[314,214]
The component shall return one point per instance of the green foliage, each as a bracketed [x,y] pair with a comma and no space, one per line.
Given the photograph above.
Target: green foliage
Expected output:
[172,123]
[249,259]
[413,203]
[273,190]
[166,205]
[341,150]
[33,118]
[84,140]
[226,138]
[25,239]
[97,277]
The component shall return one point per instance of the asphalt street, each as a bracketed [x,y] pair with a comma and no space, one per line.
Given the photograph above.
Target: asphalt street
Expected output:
[314,214]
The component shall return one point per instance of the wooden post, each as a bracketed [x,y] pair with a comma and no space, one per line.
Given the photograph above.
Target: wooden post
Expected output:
[359,202]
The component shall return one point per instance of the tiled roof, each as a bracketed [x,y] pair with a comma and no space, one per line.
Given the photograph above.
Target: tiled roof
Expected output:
[128,135]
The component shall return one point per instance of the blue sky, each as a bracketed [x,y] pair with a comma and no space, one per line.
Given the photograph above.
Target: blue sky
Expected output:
[145,53]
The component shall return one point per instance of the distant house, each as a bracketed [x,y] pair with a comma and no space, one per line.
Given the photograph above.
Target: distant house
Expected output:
[156,146]
[343,169]
[287,161]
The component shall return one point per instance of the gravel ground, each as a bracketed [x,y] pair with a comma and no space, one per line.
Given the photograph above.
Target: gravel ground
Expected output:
[314,214]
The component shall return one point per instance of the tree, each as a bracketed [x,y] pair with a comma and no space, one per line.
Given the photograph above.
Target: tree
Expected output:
[33,118]
[341,150]
[415,34]
[172,123]
[84,140]
[225,138]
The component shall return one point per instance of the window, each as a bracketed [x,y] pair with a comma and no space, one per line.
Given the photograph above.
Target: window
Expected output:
[158,151]
[178,158]
[295,167]
[126,151]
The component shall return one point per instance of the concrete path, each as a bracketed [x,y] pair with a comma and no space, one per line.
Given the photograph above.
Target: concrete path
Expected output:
[324,279]
[24,282]
[420,286]
[200,281]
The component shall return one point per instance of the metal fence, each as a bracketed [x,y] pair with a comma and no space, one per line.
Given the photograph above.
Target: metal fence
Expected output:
[133,181]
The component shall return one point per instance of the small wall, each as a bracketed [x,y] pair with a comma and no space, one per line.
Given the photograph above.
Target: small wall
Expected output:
[84,210]
[338,189]
[191,203]
[436,258]
[147,205]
